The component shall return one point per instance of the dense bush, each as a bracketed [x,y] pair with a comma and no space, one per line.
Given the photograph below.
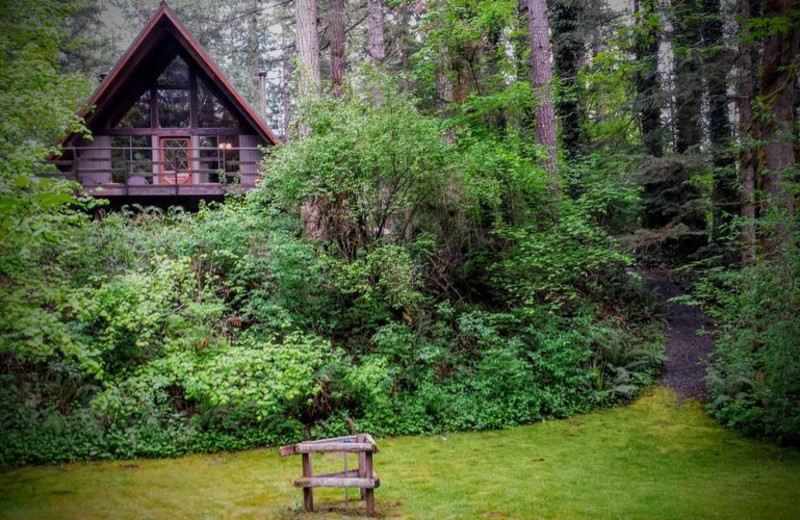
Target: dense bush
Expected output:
[242,334]
[442,295]
[754,377]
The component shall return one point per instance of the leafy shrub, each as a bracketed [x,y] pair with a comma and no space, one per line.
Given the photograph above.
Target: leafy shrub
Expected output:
[556,263]
[754,378]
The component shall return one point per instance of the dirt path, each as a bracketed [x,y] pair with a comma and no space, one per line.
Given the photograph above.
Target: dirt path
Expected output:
[683,371]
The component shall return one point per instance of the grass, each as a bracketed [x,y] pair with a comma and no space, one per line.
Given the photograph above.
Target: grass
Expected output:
[652,459]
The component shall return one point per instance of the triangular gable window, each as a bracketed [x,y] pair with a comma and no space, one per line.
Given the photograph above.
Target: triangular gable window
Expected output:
[212,112]
[175,76]
[139,114]
[173,94]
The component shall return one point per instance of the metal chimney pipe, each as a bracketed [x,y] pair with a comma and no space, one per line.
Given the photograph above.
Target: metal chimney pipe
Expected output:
[262,93]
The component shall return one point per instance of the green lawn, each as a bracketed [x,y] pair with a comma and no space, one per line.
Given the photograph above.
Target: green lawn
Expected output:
[652,459]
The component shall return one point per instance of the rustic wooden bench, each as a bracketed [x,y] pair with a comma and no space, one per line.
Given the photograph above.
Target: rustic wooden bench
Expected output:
[363,477]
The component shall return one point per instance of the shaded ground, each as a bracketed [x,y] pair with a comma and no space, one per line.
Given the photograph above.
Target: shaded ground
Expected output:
[684,370]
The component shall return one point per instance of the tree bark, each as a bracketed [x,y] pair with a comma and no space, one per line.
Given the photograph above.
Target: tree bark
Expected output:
[309,81]
[745,93]
[777,77]
[313,213]
[541,74]
[649,96]
[405,40]
[569,48]
[377,49]
[252,49]
[286,99]
[688,80]
[337,23]
[715,66]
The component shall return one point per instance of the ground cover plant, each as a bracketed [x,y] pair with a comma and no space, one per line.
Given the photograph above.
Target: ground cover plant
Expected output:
[651,458]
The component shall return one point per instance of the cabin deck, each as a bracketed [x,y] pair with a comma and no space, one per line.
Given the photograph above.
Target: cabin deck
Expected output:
[132,172]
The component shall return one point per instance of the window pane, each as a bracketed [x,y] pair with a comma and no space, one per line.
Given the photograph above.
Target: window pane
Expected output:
[175,154]
[229,146]
[142,157]
[173,108]
[219,158]
[131,157]
[119,158]
[209,155]
[212,112]
[139,114]
[176,75]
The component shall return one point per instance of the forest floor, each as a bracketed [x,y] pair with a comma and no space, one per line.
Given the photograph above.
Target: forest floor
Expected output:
[654,458]
[687,348]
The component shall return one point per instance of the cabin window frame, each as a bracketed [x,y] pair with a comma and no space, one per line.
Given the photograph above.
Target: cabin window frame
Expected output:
[194,127]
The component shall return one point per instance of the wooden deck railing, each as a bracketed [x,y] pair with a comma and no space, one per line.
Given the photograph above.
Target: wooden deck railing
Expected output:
[121,171]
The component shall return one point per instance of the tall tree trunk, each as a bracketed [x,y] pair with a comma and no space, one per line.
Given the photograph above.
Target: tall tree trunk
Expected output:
[688,80]
[522,51]
[522,47]
[337,22]
[649,96]
[569,49]
[745,94]
[716,65]
[286,99]
[309,80]
[314,210]
[405,40]
[464,79]
[377,49]
[777,78]
[541,73]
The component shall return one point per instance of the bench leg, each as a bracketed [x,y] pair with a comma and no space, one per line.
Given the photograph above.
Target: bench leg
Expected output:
[362,471]
[370,499]
[369,494]
[308,493]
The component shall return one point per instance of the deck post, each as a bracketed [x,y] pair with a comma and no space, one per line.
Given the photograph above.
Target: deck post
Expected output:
[369,493]
[308,492]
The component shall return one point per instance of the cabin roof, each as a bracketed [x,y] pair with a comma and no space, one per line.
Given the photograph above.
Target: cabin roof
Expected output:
[157,43]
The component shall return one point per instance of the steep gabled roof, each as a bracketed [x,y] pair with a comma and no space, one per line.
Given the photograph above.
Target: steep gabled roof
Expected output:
[157,44]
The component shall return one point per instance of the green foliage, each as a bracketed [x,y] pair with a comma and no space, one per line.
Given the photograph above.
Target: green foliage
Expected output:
[556,263]
[38,103]
[371,167]
[755,374]
[605,189]
[447,293]
[609,76]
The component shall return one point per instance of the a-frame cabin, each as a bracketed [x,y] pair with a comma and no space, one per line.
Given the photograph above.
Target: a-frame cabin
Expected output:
[166,123]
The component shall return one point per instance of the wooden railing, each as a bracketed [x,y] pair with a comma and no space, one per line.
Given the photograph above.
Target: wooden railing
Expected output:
[115,171]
